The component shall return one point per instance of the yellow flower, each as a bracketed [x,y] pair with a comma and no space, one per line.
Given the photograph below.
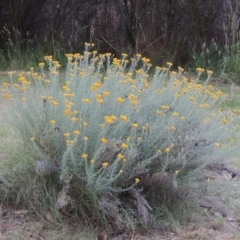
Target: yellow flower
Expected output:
[104,140]
[182,118]
[169,64]
[106,94]
[132,96]
[52,121]
[32,139]
[120,156]
[216,144]
[124,145]
[225,121]
[165,107]
[110,119]
[177,172]
[124,118]
[7,95]
[98,96]
[167,150]
[175,114]
[159,151]
[85,138]
[180,69]
[173,128]
[191,98]
[158,112]
[120,100]
[66,134]
[23,99]
[134,102]
[85,100]
[104,164]
[65,88]
[55,103]
[134,125]
[73,119]
[41,64]
[200,70]
[84,155]
[76,132]
[85,124]
[100,101]
[137,180]
[92,161]
[120,171]
[66,112]
[209,72]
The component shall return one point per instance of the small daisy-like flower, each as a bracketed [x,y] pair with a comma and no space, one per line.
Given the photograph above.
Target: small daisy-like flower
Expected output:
[106,94]
[55,103]
[216,144]
[200,70]
[85,124]
[137,180]
[85,100]
[77,132]
[104,140]
[180,69]
[120,100]
[52,121]
[32,139]
[67,134]
[73,119]
[120,156]
[84,155]
[225,121]
[124,145]
[173,128]
[165,107]
[100,100]
[104,164]
[209,72]
[175,114]
[66,112]
[134,125]
[123,118]
[167,150]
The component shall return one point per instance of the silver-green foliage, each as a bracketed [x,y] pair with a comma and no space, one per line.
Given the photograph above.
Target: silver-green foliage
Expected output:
[107,127]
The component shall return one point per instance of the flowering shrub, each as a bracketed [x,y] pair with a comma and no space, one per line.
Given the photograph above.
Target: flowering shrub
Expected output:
[112,133]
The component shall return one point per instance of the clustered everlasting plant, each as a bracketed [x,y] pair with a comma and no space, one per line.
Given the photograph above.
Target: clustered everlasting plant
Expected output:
[116,137]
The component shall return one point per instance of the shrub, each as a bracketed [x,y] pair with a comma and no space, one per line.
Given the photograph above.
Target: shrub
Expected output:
[115,143]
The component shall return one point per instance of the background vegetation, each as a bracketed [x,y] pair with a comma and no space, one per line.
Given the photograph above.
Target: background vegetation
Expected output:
[191,33]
